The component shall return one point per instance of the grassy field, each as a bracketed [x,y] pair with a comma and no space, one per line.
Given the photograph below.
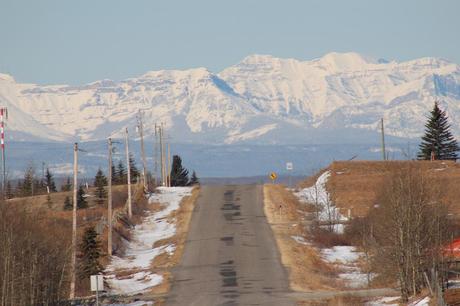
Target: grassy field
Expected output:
[354,184]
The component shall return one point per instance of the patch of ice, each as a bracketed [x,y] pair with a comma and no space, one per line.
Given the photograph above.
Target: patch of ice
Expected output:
[140,251]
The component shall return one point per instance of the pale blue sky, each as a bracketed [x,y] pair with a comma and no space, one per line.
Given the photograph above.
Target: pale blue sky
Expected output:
[76,42]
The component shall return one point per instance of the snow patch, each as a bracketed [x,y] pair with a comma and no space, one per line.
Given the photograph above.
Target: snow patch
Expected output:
[300,239]
[140,251]
[345,258]
[342,254]
[384,301]
[319,196]
[423,302]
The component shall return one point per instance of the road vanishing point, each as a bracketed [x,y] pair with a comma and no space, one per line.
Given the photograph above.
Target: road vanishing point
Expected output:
[230,256]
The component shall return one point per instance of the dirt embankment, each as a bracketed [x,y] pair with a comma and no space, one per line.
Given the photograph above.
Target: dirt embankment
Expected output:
[288,220]
[355,185]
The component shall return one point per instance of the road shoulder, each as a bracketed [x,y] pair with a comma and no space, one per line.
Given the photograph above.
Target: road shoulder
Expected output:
[288,221]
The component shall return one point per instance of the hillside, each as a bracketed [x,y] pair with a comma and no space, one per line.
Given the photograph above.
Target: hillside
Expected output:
[262,99]
[354,184]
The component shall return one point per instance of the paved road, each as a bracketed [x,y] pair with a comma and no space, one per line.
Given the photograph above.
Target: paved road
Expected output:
[231,256]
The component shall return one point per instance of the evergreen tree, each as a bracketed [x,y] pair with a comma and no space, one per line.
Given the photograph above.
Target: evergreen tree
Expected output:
[81,200]
[179,175]
[39,187]
[114,175]
[438,139]
[67,186]
[90,253]
[50,181]
[9,190]
[67,203]
[28,182]
[194,179]
[121,173]
[19,189]
[133,169]
[100,181]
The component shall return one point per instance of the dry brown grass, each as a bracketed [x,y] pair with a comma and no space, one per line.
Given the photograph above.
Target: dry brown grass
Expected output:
[62,220]
[354,184]
[347,300]
[306,269]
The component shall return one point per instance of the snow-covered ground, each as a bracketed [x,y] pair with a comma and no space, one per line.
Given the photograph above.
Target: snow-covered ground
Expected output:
[345,258]
[393,301]
[384,301]
[423,302]
[134,265]
[318,196]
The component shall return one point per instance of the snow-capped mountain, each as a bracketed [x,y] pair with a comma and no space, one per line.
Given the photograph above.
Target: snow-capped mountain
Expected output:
[262,99]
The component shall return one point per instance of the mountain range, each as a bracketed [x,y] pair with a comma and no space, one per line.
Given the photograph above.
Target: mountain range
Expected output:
[339,97]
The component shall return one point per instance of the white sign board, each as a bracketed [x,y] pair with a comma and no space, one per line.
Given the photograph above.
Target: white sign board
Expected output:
[289,166]
[97,282]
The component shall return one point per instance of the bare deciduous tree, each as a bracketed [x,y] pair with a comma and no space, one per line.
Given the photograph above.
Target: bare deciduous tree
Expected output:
[410,227]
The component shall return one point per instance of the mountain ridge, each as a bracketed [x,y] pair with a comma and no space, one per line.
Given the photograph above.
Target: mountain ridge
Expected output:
[261,99]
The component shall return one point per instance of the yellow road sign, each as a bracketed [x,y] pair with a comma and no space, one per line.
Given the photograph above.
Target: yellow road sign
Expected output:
[273,176]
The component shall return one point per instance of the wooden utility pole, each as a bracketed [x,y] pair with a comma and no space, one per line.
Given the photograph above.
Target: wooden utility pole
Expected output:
[383,140]
[169,165]
[109,201]
[144,164]
[73,263]
[155,156]
[130,211]
[162,156]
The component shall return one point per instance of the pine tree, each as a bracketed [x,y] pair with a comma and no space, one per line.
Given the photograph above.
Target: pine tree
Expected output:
[67,186]
[81,200]
[50,181]
[100,181]
[179,175]
[9,190]
[28,182]
[194,179]
[39,187]
[114,175]
[133,169]
[67,204]
[438,139]
[121,173]
[19,189]
[90,253]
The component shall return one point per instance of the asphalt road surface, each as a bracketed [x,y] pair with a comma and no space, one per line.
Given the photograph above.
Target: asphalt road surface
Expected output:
[230,257]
